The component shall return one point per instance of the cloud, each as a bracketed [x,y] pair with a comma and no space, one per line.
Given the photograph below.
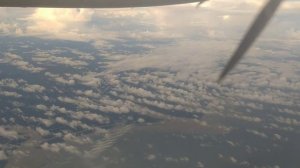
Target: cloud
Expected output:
[151,157]
[88,93]
[10,94]
[10,134]
[46,58]
[185,57]
[6,28]
[9,83]
[69,137]
[200,164]
[58,147]
[61,120]
[287,121]
[20,85]
[3,156]
[34,88]
[60,79]
[233,159]
[42,107]
[20,63]
[82,24]
[62,22]
[90,116]
[42,131]
[87,79]
[257,133]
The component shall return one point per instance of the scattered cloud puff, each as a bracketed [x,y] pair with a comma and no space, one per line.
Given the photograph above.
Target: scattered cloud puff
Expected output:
[58,147]
[41,57]
[69,137]
[21,85]
[9,134]
[260,134]
[233,159]
[151,157]
[3,156]
[20,63]
[42,131]
[87,79]
[34,88]
[10,94]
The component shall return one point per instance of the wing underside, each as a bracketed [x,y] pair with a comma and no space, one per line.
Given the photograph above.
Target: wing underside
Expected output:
[90,3]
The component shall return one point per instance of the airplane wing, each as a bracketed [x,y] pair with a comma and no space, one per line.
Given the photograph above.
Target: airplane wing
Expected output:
[90,3]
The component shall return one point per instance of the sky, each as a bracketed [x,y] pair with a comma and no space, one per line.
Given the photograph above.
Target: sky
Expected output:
[85,84]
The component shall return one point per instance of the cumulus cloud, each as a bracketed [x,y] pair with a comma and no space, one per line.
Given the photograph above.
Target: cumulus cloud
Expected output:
[57,147]
[151,157]
[87,79]
[41,57]
[63,22]
[9,83]
[257,133]
[22,85]
[69,137]
[42,131]
[10,94]
[6,133]
[34,88]
[3,156]
[20,63]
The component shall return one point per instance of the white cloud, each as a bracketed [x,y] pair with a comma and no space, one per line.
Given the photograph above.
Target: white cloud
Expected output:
[277,136]
[57,147]
[151,157]
[233,159]
[42,107]
[88,93]
[69,137]
[257,133]
[19,62]
[63,23]
[10,94]
[287,121]
[9,83]
[60,79]
[6,28]
[42,57]
[42,131]
[90,116]
[10,134]
[61,120]
[200,164]
[34,88]
[88,79]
